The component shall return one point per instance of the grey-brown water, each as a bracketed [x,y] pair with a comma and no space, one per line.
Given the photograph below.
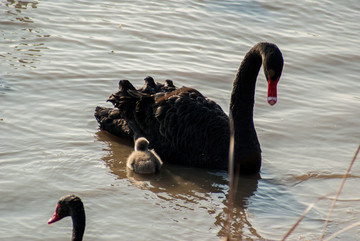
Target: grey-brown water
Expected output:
[60,59]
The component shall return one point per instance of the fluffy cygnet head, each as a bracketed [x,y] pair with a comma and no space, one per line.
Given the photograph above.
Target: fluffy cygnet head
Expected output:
[141,144]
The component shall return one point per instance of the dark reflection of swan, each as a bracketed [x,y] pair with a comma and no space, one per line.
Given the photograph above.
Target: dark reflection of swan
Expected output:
[186,186]
[240,228]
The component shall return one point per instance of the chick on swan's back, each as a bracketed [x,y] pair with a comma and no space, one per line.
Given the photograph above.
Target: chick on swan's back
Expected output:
[142,160]
[184,127]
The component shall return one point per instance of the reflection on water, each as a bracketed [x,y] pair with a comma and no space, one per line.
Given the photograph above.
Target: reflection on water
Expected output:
[56,66]
[187,188]
[240,227]
[4,87]
[21,4]
[22,36]
[296,179]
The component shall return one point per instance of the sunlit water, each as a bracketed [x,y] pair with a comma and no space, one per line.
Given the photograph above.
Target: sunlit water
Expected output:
[60,59]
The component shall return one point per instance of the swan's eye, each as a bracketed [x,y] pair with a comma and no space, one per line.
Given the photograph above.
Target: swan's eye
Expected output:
[271,74]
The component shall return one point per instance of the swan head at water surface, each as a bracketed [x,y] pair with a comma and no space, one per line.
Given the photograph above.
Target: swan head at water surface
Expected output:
[185,127]
[71,205]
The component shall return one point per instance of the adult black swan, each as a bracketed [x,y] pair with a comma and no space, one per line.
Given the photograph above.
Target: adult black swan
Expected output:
[71,205]
[186,128]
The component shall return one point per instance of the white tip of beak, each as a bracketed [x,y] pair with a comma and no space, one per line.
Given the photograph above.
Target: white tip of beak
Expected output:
[272,100]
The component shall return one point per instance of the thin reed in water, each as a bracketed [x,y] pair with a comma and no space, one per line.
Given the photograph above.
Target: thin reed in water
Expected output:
[232,180]
[331,208]
[338,192]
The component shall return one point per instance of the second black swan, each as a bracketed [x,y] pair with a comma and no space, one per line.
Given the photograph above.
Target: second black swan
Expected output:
[185,127]
[71,205]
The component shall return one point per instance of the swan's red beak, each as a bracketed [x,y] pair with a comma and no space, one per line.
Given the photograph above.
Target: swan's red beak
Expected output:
[55,217]
[272,93]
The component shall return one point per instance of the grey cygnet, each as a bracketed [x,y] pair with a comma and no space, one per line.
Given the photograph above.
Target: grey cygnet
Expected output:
[142,160]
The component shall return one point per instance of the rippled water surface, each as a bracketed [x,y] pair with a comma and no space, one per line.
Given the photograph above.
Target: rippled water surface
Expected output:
[60,59]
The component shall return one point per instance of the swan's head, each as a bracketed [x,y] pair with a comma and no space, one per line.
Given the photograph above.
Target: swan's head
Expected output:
[273,65]
[65,207]
[141,144]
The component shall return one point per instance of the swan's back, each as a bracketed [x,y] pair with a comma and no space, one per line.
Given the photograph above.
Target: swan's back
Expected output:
[115,121]
[182,126]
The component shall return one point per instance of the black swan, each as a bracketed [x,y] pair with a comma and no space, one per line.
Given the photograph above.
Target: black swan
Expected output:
[186,128]
[71,205]
[143,160]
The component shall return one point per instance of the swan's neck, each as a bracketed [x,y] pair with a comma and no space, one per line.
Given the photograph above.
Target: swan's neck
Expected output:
[241,110]
[242,97]
[78,217]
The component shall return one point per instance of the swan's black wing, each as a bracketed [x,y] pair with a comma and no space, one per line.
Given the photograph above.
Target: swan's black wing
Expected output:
[182,125]
[185,128]
[110,120]
[115,121]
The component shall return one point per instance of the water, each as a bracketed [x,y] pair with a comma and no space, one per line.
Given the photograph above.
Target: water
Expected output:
[61,59]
